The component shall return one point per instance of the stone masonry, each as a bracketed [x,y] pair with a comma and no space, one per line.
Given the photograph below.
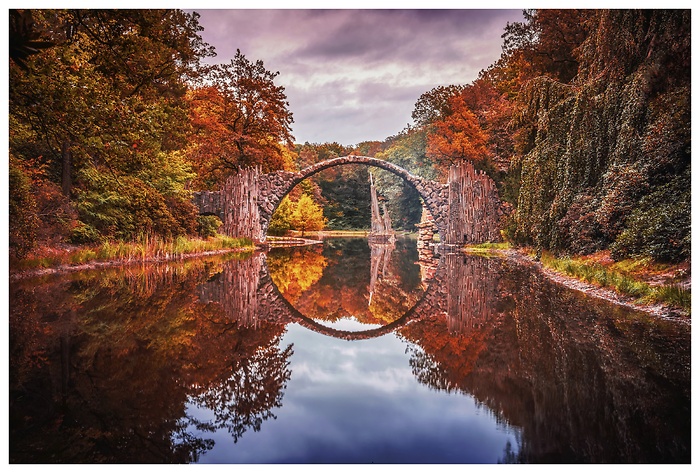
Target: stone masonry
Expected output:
[269,189]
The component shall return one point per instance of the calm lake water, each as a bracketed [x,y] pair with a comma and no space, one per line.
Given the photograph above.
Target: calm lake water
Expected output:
[339,353]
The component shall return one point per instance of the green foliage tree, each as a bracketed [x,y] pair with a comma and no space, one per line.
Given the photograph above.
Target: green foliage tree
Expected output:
[547,41]
[602,154]
[24,221]
[408,150]
[281,221]
[345,190]
[208,225]
[107,100]
[659,227]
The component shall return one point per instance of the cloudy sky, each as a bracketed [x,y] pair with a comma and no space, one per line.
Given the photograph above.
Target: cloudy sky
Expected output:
[355,75]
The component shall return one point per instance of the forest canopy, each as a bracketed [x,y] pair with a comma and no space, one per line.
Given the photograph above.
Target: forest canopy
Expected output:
[583,122]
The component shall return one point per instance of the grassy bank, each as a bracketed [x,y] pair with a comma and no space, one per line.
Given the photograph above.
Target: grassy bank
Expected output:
[641,279]
[486,248]
[143,249]
[627,277]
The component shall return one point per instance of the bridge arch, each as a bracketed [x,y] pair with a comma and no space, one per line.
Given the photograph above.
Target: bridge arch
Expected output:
[468,295]
[274,186]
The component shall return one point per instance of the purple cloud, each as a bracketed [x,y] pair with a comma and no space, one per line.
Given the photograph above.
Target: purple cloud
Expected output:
[355,75]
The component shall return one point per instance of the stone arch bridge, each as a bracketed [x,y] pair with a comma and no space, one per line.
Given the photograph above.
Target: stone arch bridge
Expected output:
[464,210]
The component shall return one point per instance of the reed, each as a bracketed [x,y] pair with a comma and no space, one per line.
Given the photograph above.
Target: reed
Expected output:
[674,294]
[143,248]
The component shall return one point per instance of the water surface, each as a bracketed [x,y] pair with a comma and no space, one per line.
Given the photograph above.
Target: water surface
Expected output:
[339,353]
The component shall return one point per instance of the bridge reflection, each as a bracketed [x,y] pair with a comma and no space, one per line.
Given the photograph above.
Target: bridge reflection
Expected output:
[460,288]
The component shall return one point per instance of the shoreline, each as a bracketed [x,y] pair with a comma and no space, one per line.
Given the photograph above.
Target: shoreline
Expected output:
[272,242]
[69,268]
[664,311]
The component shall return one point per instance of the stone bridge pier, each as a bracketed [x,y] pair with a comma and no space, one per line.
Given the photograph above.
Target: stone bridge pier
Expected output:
[465,210]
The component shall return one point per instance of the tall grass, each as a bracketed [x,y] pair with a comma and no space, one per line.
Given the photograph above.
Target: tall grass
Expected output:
[622,283]
[145,247]
[673,294]
[489,246]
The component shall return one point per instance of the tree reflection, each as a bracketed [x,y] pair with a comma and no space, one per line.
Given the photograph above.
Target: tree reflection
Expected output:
[350,280]
[581,380]
[247,396]
[294,272]
[103,366]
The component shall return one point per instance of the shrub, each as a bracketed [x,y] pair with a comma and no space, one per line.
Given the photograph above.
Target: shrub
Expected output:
[126,207]
[660,226]
[280,223]
[579,231]
[208,225]
[185,214]
[83,233]
[24,221]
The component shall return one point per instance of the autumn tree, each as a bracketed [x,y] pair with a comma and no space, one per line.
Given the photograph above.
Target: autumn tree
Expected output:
[548,41]
[25,39]
[241,119]
[299,212]
[312,153]
[434,105]
[108,89]
[307,215]
[457,137]
[103,109]
[23,218]
[368,148]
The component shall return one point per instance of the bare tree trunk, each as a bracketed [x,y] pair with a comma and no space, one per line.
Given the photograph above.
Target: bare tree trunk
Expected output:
[67,168]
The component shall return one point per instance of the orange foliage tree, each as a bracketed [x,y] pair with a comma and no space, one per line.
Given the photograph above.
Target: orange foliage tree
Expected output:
[240,119]
[457,137]
[307,215]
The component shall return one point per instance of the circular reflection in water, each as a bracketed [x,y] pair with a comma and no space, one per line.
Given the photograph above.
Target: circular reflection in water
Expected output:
[348,286]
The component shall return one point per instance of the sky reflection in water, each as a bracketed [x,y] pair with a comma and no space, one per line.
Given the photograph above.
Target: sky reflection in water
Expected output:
[358,402]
